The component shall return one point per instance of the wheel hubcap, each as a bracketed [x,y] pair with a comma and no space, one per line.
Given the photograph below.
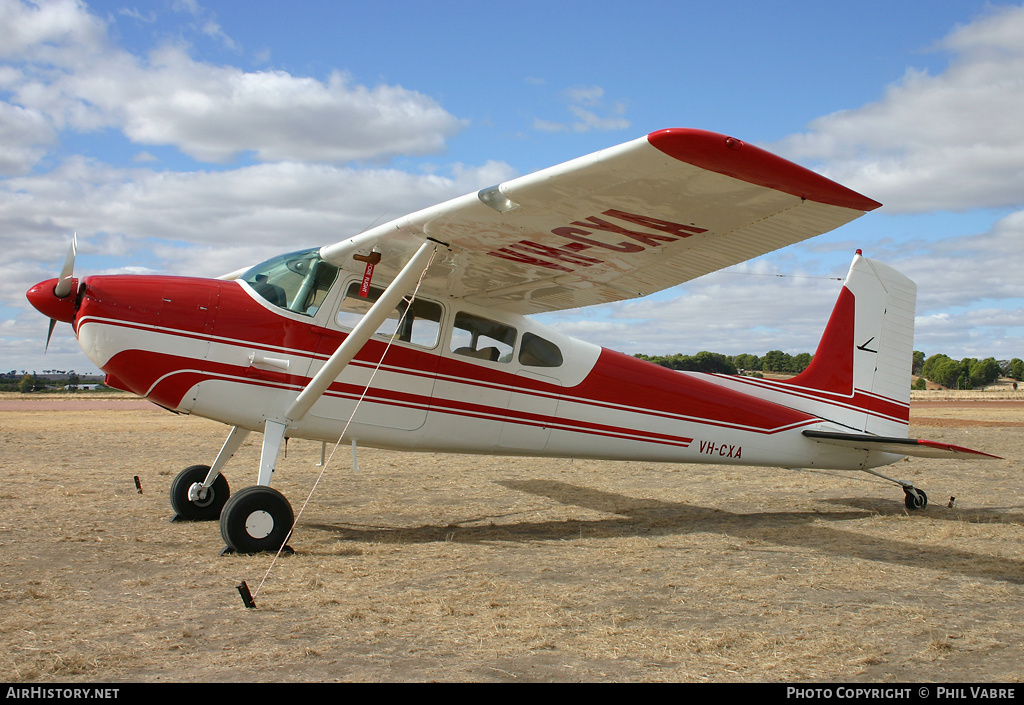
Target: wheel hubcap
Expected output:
[259,524]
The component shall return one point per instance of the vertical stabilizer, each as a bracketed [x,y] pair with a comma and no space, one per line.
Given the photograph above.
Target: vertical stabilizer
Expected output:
[866,353]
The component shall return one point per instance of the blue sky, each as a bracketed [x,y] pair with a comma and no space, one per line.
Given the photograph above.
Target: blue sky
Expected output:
[189,138]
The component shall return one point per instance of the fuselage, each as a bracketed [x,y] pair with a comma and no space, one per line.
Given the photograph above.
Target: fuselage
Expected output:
[220,350]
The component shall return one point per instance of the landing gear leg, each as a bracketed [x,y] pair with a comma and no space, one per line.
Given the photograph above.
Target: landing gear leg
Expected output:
[914,499]
[199,492]
[259,518]
[205,505]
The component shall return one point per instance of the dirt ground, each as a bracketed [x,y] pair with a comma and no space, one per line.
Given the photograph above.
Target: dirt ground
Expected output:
[430,567]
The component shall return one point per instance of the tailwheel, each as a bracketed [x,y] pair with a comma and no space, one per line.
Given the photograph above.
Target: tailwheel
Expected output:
[915,498]
[192,503]
[256,519]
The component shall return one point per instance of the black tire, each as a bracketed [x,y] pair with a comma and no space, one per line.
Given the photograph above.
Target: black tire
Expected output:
[256,519]
[207,509]
[914,502]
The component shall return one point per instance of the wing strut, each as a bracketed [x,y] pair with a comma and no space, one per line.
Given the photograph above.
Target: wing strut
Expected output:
[273,434]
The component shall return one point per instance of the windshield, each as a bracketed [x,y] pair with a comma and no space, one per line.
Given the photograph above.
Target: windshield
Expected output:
[297,281]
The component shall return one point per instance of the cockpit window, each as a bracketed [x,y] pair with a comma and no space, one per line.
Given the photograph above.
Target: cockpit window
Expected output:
[298,281]
[419,324]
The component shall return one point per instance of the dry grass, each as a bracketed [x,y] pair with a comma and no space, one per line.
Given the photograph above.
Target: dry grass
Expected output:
[436,567]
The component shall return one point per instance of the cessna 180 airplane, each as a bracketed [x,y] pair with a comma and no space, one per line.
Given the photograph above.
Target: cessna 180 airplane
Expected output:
[419,328]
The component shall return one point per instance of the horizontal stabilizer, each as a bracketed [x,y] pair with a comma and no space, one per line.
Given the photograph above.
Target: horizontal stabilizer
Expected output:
[899,446]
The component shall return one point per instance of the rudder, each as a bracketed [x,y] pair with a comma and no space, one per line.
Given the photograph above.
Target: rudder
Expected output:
[866,352]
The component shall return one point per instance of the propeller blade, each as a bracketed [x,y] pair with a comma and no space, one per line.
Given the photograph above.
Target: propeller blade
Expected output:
[53,322]
[63,287]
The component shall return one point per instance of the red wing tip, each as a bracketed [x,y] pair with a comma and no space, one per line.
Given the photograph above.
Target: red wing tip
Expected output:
[741,160]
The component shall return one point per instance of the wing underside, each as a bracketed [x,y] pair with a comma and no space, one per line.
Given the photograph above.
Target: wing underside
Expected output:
[621,223]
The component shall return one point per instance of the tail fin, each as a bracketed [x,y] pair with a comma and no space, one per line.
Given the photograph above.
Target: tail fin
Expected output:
[864,359]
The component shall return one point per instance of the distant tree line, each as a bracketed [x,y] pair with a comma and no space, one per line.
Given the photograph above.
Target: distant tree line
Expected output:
[967,373]
[704,361]
[30,382]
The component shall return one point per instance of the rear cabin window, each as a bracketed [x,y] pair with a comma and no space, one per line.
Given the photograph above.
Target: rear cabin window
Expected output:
[538,352]
[482,338]
[421,324]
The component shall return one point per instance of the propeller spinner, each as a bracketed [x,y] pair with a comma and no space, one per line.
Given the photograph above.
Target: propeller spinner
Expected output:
[52,297]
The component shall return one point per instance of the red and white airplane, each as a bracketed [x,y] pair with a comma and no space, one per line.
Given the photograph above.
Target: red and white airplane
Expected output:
[414,335]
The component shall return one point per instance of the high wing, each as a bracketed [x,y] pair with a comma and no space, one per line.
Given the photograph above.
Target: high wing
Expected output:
[620,223]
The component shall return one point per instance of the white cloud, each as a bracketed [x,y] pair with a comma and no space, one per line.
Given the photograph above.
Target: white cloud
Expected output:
[549,126]
[205,22]
[971,270]
[587,105]
[585,95]
[215,113]
[202,223]
[952,141]
[50,32]
[71,74]
[587,120]
[25,136]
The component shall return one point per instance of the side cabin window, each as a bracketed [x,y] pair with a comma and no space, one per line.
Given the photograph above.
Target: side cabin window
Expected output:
[538,352]
[297,281]
[419,324]
[482,338]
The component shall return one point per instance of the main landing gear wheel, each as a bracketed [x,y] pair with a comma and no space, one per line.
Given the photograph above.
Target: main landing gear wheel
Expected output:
[206,507]
[256,519]
[915,499]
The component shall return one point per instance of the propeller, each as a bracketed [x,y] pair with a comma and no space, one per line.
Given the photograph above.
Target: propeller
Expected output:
[53,298]
[64,283]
